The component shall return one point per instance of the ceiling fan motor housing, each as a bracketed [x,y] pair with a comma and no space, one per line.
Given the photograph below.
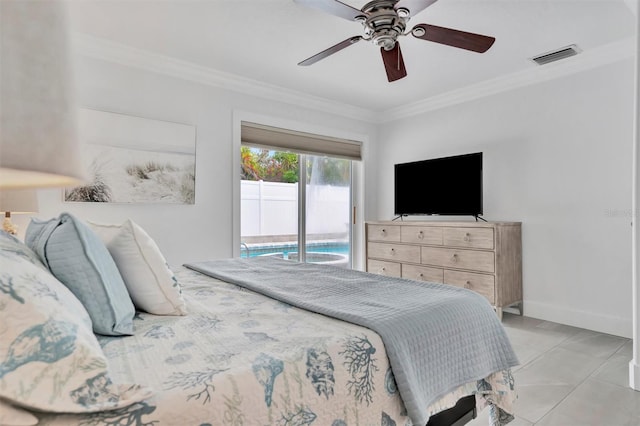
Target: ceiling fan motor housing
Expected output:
[383,24]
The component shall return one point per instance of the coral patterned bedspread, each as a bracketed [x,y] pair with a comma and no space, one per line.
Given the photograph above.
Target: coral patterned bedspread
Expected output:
[239,358]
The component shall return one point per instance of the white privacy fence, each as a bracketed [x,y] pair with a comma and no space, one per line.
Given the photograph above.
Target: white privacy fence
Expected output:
[271,208]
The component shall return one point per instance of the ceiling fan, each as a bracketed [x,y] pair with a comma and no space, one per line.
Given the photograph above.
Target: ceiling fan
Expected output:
[386,20]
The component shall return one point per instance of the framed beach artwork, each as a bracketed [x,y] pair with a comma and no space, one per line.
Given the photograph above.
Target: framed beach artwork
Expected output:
[135,160]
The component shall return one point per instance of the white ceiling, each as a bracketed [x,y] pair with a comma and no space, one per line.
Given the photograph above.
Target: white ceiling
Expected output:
[264,40]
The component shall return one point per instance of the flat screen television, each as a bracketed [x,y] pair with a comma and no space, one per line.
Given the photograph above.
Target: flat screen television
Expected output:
[440,186]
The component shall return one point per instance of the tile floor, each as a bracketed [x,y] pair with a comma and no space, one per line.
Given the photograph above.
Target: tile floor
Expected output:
[569,376]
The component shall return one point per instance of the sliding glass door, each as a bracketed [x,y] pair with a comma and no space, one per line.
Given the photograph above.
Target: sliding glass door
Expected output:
[296,206]
[328,210]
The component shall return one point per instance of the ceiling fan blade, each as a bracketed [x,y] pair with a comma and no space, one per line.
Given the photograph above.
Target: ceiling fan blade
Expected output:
[333,7]
[330,51]
[456,38]
[393,63]
[414,6]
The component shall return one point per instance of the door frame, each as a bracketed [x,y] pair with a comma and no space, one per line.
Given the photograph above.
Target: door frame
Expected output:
[357,172]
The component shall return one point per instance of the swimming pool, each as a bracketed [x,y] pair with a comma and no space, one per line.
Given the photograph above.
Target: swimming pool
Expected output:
[317,247]
[327,258]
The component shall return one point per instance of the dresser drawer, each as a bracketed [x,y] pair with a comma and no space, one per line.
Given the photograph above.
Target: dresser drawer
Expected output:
[480,283]
[483,261]
[395,252]
[422,273]
[380,267]
[421,235]
[389,233]
[469,237]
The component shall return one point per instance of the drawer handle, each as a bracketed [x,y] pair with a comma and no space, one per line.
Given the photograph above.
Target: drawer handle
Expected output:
[467,284]
[420,235]
[393,251]
[383,231]
[421,275]
[467,237]
[383,270]
[454,258]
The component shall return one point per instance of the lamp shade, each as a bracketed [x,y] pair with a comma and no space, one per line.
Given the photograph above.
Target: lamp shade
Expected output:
[19,201]
[38,142]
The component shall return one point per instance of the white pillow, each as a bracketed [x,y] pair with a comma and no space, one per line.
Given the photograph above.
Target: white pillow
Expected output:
[151,284]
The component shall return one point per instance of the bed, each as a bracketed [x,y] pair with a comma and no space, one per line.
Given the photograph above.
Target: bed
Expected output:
[240,358]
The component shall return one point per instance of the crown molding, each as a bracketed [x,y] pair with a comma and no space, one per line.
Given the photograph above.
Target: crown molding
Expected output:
[106,50]
[593,58]
[118,53]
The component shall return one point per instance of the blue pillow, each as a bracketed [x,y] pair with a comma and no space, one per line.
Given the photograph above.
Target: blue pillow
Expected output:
[77,257]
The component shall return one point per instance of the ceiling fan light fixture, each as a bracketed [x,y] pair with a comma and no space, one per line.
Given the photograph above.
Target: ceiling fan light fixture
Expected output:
[403,12]
[418,31]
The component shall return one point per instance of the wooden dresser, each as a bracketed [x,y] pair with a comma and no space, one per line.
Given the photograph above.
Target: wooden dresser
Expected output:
[485,257]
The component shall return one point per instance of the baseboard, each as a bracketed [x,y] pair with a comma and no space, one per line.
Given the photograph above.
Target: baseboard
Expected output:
[634,375]
[618,326]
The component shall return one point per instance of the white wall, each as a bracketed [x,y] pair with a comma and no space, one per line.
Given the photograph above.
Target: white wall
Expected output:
[557,157]
[184,232]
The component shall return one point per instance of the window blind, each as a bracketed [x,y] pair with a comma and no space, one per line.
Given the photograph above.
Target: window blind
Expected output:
[260,135]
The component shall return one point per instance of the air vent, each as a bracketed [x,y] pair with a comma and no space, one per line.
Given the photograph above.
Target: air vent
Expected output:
[556,55]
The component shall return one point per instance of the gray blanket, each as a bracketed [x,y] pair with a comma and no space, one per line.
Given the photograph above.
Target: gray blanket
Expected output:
[437,337]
